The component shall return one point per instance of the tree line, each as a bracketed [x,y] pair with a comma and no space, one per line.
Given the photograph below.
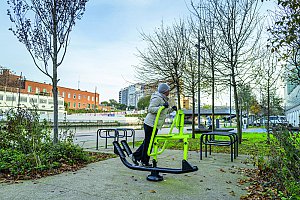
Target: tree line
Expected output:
[223,45]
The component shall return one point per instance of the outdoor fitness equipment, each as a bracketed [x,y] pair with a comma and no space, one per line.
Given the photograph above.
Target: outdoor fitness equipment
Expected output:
[178,122]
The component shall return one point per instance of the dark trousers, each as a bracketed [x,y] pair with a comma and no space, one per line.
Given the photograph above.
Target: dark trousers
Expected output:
[141,153]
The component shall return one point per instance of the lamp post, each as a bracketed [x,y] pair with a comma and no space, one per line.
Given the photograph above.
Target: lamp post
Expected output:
[199,93]
[199,77]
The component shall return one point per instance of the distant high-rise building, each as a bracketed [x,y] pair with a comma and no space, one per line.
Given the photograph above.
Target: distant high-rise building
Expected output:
[123,96]
[131,95]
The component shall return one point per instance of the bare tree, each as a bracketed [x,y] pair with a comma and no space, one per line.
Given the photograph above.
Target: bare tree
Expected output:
[269,74]
[44,27]
[246,98]
[165,56]
[205,27]
[191,82]
[238,22]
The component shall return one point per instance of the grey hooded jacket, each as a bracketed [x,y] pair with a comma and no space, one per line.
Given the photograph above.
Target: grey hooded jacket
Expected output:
[156,101]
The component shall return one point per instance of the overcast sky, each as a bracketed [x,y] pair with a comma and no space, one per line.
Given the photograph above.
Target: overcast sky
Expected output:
[103,45]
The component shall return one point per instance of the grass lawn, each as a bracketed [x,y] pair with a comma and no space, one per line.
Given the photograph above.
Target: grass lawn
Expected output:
[252,144]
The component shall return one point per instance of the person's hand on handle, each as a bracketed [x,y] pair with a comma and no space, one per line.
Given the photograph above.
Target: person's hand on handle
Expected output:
[166,104]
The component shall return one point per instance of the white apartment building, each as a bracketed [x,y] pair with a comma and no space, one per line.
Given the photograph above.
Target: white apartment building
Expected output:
[44,104]
[292,104]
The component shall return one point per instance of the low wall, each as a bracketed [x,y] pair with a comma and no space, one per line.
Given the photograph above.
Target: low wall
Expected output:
[95,119]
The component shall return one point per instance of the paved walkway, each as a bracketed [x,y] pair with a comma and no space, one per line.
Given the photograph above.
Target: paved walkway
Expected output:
[216,178]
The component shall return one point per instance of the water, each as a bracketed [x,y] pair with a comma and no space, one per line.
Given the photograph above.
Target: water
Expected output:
[86,136]
[87,130]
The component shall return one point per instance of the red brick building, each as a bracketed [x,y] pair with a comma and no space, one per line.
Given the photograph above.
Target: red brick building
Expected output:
[75,99]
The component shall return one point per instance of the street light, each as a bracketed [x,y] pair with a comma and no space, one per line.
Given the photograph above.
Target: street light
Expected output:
[230,101]
[199,93]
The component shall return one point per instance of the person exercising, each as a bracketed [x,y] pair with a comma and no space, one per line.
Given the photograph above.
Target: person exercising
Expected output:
[158,99]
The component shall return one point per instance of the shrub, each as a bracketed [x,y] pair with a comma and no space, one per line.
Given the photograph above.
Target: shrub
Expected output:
[14,162]
[64,152]
[26,147]
[285,161]
[23,131]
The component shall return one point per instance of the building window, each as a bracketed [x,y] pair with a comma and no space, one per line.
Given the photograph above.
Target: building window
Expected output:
[29,89]
[92,98]
[37,90]
[1,97]
[60,102]
[96,99]
[10,98]
[74,96]
[32,100]
[23,99]
[69,95]
[44,90]
[79,96]
[69,104]
[74,105]
[89,105]
[43,100]
[63,94]
[88,98]
[78,105]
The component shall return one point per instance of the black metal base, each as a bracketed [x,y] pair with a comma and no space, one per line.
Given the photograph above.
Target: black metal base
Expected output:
[154,176]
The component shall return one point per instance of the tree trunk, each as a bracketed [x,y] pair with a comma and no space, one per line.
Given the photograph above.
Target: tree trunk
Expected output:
[54,78]
[237,110]
[193,115]
[213,95]
[178,95]
[268,109]
[55,104]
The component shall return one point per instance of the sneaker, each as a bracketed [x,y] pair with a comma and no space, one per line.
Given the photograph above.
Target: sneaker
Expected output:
[146,165]
[134,160]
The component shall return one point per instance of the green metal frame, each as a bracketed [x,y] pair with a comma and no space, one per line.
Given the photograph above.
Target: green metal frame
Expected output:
[178,122]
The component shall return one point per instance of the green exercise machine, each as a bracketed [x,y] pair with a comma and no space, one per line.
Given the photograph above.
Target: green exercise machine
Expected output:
[157,146]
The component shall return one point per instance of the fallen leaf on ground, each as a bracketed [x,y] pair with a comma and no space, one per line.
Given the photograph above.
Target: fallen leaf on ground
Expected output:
[222,170]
